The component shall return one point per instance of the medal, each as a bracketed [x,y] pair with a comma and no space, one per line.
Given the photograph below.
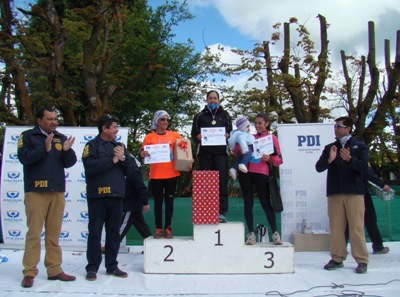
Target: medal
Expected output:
[213,122]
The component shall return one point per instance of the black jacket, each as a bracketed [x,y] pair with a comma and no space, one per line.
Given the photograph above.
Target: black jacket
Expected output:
[135,191]
[103,177]
[44,171]
[203,120]
[345,177]
[373,177]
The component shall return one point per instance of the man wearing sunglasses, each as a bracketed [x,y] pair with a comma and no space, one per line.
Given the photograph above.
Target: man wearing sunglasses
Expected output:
[346,160]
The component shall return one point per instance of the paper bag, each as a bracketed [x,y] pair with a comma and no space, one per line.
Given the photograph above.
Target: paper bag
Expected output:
[183,155]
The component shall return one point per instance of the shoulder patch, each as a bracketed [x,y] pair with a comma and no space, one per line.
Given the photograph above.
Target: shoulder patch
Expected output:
[85,151]
[20,141]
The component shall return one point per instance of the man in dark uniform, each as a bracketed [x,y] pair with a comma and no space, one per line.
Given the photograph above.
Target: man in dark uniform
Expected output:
[106,164]
[44,153]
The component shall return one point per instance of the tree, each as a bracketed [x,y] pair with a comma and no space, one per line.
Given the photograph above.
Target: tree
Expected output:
[78,58]
[377,119]
[21,113]
[294,82]
[299,87]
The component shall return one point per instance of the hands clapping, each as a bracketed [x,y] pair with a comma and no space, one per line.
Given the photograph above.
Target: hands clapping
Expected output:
[68,143]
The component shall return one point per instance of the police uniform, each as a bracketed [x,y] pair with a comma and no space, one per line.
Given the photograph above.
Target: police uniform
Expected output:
[105,189]
[44,185]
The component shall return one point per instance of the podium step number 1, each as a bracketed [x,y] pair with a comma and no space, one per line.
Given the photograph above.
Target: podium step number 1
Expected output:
[216,249]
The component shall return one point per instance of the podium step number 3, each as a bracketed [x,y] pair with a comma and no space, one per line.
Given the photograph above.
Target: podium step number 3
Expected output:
[216,249]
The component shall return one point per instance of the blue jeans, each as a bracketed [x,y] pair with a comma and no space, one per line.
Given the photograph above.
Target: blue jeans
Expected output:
[243,158]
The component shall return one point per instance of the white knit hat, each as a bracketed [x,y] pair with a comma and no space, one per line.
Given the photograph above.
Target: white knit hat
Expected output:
[242,123]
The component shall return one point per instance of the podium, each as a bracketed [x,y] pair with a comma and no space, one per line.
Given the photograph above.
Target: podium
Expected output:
[216,249]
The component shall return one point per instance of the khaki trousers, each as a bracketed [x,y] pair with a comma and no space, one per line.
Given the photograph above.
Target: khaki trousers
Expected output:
[43,209]
[343,208]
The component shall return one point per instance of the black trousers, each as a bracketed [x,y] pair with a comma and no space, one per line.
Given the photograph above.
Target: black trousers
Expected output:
[371,224]
[105,212]
[261,183]
[220,163]
[163,190]
[136,219]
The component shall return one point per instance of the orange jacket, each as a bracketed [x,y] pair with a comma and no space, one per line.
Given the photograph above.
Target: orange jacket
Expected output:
[163,170]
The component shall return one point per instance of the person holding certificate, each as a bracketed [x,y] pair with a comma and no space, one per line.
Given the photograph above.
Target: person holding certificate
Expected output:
[163,176]
[210,130]
[258,177]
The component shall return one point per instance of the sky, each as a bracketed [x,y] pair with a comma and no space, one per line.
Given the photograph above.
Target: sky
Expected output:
[242,23]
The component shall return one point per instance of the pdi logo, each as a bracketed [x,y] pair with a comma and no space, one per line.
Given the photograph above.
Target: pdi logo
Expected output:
[13,156]
[308,140]
[14,233]
[119,137]
[64,234]
[66,218]
[83,218]
[12,194]
[301,193]
[66,194]
[13,174]
[13,177]
[83,195]
[89,137]
[82,178]
[67,179]
[84,234]
[13,214]
[15,137]
[84,215]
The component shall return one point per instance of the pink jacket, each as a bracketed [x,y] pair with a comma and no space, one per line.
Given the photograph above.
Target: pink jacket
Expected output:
[263,167]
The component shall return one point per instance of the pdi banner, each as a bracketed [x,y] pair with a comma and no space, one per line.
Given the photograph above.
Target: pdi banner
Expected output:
[303,189]
[74,230]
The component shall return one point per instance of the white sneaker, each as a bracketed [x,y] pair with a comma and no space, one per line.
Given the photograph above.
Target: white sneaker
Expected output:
[242,168]
[276,238]
[251,239]
[232,173]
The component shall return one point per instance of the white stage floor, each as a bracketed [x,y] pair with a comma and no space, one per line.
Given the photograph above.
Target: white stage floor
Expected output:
[309,279]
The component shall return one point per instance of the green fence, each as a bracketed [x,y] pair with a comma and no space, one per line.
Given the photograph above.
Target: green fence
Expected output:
[388,217]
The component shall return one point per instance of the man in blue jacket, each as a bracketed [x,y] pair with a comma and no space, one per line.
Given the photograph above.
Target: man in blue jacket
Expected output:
[346,160]
[44,153]
[106,164]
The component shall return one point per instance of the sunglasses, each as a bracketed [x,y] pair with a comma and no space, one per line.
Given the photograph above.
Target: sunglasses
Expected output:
[164,120]
[338,126]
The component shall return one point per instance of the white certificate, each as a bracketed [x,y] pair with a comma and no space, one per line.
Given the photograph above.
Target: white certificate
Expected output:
[213,136]
[263,145]
[158,153]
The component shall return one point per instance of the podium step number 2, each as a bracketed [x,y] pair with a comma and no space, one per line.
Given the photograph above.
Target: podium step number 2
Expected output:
[216,249]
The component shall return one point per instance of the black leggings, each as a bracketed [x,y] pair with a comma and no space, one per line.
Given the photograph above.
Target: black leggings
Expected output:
[136,219]
[163,189]
[261,183]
